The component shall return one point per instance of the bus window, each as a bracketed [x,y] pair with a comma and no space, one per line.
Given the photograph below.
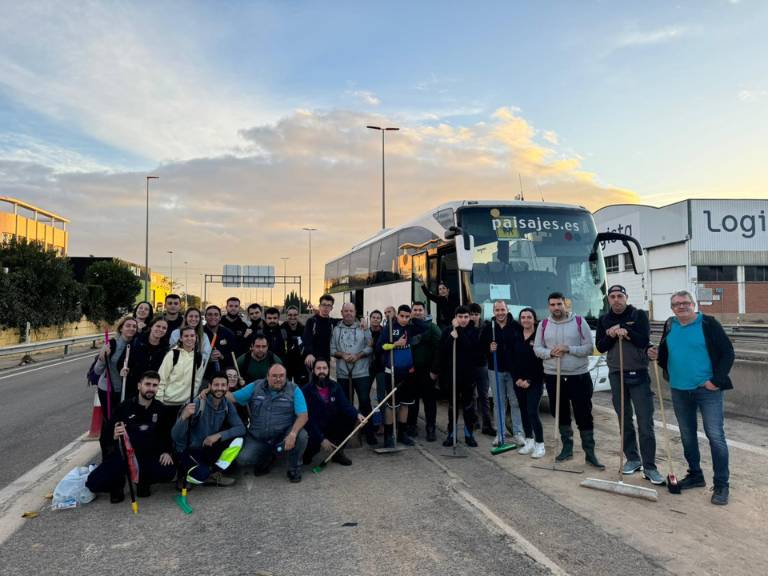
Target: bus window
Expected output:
[358,267]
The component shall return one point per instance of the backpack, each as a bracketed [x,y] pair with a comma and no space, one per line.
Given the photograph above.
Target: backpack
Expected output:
[249,359]
[579,321]
[91,378]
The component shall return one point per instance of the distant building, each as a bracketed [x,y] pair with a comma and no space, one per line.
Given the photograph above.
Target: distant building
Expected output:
[716,249]
[159,285]
[22,220]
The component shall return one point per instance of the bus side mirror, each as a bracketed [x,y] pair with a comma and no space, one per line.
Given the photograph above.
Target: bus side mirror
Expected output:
[465,252]
[634,250]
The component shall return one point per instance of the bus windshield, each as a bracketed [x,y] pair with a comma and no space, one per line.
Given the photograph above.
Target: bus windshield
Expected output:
[522,254]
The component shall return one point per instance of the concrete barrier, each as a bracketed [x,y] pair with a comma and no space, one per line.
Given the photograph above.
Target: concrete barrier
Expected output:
[749,396]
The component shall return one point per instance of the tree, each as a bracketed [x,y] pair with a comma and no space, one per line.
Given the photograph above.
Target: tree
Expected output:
[112,289]
[292,299]
[39,287]
[194,301]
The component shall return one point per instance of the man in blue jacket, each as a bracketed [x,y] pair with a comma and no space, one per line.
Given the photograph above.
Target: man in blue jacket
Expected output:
[332,417]
[696,356]
[215,438]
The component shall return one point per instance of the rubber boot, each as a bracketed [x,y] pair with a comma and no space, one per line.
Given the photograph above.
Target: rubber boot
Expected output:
[566,435]
[389,436]
[588,445]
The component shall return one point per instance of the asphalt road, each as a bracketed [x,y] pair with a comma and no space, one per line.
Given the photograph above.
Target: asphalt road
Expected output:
[43,407]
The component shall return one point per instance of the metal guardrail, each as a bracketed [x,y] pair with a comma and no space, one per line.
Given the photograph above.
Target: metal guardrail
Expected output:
[49,344]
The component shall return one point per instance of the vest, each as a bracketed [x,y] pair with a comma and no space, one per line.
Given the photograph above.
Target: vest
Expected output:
[271,417]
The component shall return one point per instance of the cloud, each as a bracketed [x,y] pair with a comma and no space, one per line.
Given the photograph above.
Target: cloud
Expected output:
[317,168]
[367,97]
[753,95]
[119,75]
[651,37]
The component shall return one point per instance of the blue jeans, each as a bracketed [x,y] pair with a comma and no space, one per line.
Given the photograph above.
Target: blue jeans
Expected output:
[507,391]
[710,403]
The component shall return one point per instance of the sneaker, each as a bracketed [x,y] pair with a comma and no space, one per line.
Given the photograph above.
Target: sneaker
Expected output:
[538,450]
[489,430]
[448,442]
[654,476]
[470,441]
[720,495]
[341,458]
[218,479]
[631,466]
[294,476]
[527,448]
[518,439]
[692,480]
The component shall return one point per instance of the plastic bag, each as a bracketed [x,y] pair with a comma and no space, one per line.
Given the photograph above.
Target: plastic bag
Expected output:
[71,491]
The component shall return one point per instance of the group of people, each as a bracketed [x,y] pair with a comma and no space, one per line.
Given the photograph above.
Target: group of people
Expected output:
[202,397]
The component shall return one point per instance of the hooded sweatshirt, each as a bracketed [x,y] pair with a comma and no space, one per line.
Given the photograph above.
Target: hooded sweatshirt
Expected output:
[351,339]
[176,381]
[564,332]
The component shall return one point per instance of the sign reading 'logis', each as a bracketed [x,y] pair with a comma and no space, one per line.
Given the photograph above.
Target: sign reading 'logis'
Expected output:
[745,224]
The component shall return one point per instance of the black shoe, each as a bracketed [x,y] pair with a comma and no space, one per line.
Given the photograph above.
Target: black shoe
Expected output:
[341,458]
[143,491]
[720,495]
[370,438]
[116,497]
[489,430]
[470,441]
[448,442]
[404,439]
[294,476]
[431,436]
[692,480]
[412,430]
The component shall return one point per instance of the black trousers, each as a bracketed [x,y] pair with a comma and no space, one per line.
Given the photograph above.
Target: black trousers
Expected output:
[337,429]
[528,399]
[465,395]
[109,476]
[426,391]
[576,392]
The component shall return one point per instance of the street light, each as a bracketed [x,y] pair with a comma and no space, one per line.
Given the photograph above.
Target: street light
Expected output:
[285,265]
[310,230]
[171,253]
[382,130]
[146,243]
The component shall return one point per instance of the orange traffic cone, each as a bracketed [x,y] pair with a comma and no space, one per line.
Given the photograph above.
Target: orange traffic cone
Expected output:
[96,418]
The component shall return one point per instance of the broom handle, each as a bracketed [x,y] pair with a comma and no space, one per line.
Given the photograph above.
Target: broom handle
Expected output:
[667,447]
[362,423]
[125,365]
[455,416]
[395,409]
[621,415]
[557,404]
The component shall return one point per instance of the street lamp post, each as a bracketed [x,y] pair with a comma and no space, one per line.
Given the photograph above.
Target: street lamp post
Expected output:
[382,129]
[146,244]
[171,253]
[186,285]
[310,230]
[285,267]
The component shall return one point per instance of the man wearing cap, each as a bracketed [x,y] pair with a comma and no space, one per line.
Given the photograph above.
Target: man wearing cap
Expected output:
[626,323]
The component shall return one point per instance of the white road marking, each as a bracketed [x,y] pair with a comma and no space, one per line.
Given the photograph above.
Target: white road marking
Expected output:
[521,544]
[731,443]
[30,370]
[27,493]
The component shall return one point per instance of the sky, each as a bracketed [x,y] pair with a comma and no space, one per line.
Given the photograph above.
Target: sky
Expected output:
[253,115]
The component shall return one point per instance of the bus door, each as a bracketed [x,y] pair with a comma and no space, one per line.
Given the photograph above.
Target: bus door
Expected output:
[442,267]
[419,278]
[357,300]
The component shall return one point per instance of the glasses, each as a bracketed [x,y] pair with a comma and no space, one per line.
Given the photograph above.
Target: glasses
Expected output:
[681,304]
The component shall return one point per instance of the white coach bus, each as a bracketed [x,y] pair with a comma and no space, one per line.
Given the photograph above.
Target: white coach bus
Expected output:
[484,251]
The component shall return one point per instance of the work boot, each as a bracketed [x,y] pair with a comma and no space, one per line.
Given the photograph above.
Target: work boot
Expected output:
[566,435]
[341,458]
[218,479]
[431,436]
[720,495]
[403,437]
[588,445]
[692,480]
[470,441]
[370,438]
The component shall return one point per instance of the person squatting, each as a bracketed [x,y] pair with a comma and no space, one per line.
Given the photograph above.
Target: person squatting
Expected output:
[200,394]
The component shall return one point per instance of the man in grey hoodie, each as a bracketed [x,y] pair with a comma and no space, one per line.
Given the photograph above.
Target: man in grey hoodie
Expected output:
[567,339]
[351,346]
[216,436]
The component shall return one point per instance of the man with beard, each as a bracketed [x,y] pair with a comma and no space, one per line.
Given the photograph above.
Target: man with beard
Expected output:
[257,322]
[274,333]
[424,347]
[142,420]
[215,438]
[294,331]
[255,364]
[171,313]
[332,417]
[235,324]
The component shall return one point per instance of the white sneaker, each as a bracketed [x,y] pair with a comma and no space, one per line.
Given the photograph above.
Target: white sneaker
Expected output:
[538,450]
[495,442]
[518,439]
[527,448]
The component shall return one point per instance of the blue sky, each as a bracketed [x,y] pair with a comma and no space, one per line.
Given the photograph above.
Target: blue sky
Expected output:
[600,102]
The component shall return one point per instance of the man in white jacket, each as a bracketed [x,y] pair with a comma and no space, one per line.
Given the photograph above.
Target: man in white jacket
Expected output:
[567,338]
